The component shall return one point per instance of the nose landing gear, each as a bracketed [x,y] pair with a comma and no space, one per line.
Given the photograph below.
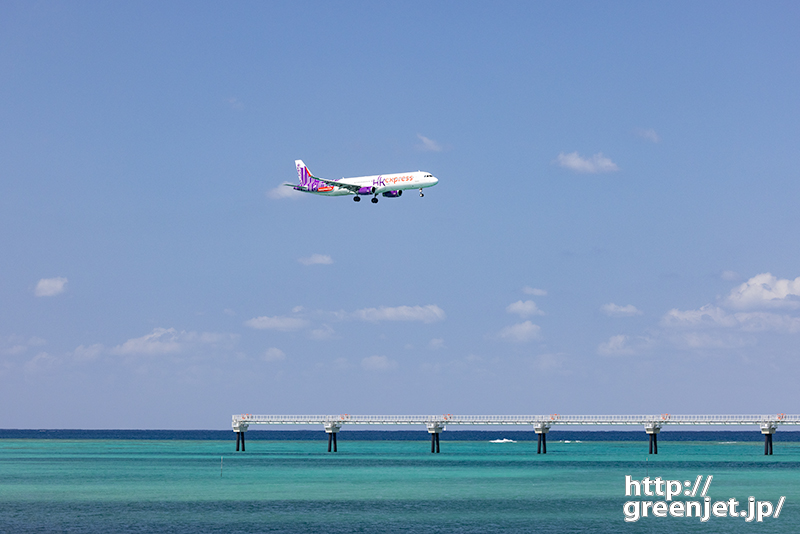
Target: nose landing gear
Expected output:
[421,193]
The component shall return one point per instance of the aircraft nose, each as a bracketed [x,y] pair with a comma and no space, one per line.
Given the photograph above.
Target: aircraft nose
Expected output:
[435,180]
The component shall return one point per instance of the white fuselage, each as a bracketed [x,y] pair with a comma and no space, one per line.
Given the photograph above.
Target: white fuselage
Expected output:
[381,183]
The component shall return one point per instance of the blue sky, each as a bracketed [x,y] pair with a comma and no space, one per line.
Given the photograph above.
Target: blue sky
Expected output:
[614,229]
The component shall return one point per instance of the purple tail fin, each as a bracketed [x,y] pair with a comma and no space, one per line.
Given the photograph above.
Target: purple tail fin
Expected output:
[303,174]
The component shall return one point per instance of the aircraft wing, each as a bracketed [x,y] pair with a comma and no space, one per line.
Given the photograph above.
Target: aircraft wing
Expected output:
[350,187]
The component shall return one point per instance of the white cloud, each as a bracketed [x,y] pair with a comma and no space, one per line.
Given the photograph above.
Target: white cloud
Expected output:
[592,165]
[712,327]
[436,343]
[273,355]
[710,317]
[427,314]
[283,191]
[378,363]
[710,339]
[729,276]
[234,103]
[707,316]
[165,341]
[766,291]
[283,324]
[341,363]
[764,304]
[50,287]
[767,322]
[616,345]
[160,341]
[524,309]
[521,332]
[87,354]
[428,144]
[15,350]
[549,362]
[212,338]
[323,332]
[613,310]
[534,291]
[648,134]
[41,363]
[316,259]
[19,345]
[622,345]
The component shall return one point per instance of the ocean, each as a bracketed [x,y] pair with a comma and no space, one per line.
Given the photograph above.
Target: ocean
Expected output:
[380,481]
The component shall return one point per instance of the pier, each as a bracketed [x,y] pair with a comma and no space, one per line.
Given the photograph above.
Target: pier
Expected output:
[541,424]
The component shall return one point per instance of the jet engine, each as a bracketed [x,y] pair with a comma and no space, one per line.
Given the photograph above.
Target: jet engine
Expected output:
[393,194]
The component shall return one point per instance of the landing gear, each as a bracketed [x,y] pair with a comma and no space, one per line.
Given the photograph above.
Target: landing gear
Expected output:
[421,193]
[356,198]
[374,200]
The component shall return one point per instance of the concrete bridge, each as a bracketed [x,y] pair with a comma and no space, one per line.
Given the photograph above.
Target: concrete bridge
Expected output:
[541,424]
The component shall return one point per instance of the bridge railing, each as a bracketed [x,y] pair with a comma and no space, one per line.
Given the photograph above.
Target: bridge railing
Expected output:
[551,419]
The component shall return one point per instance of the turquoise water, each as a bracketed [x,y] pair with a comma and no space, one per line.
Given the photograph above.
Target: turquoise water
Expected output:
[177,486]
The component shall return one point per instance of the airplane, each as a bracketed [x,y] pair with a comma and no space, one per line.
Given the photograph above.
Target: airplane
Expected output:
[388,185]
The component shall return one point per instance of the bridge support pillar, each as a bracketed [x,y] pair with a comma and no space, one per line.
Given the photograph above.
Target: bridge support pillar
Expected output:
[434,429]
[332,429]
[541,430]
[768,429]
[240,428]
[652,430]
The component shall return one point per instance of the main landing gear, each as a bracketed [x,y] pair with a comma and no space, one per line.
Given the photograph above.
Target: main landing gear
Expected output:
[356,198]
[374,200]
[421,193]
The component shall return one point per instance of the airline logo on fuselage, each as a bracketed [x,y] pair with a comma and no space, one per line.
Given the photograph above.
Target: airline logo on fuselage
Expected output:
[380,181]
